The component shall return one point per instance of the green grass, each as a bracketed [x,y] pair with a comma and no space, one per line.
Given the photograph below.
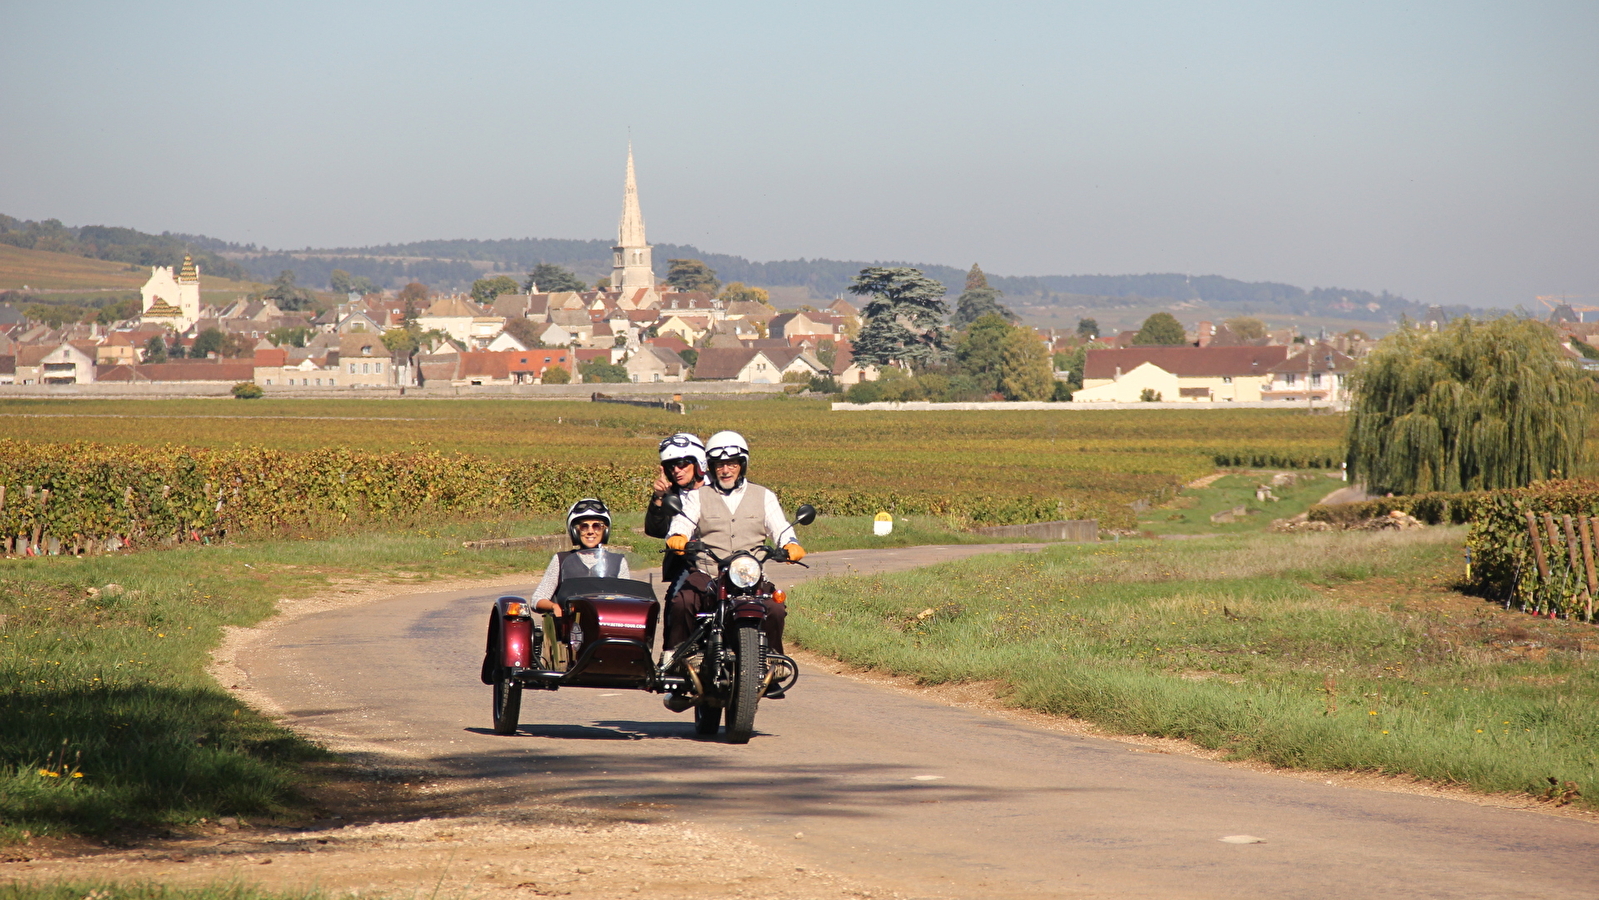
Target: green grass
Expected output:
[143,890]
[1190,511]
[1244,644]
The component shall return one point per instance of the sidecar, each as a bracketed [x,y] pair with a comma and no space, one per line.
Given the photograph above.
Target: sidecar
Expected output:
[603,638]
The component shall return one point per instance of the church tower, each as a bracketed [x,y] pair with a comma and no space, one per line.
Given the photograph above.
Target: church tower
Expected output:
[631,267]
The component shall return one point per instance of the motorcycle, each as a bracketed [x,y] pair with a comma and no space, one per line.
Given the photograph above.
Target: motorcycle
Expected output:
[605,635]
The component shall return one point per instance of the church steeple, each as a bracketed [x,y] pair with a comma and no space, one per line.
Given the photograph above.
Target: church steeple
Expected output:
[631,267]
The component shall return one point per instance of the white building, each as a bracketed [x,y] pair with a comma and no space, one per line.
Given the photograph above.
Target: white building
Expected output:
[172,300]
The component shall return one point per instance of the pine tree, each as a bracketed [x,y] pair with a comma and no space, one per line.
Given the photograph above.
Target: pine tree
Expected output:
[1476,406]
[978,300]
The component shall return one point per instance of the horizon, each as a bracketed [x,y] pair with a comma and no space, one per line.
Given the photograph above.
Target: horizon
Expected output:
[1437,152]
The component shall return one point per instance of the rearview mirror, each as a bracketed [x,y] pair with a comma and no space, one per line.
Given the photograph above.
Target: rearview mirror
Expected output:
[672,503]
[805,515]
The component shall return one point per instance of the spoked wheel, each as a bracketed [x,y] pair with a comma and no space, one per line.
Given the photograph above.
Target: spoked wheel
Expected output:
[507,704]
[746,685]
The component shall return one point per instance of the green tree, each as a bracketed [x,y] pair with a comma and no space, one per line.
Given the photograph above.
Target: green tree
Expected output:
[1025,372]
[1087,329]
[175,349]
[339,282]
[1247,327]
[978,299]
[556,375]
[415,296]
[484,290]
[120,311]
[54,315]
[980,352]
[549,278]
[598,371]
[208,342]
[1475,406]
[739,292]
[690,356]
[1161,328]
[902,319]
[155,350]
[289,296]
[692,275]
[826,353]
[294,337]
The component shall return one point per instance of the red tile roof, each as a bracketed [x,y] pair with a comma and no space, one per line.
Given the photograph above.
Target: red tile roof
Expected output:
[1189,362]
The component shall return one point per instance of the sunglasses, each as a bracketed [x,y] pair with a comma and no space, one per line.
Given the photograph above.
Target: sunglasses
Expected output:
[591,526]
[678,463]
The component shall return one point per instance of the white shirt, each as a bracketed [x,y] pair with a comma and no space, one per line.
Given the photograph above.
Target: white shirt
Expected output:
[777,527]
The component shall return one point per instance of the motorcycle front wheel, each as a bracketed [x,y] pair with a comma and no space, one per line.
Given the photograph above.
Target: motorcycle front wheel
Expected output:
[746,684]
[507,704]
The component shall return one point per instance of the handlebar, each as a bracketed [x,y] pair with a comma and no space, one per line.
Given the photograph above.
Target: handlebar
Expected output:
[763,554]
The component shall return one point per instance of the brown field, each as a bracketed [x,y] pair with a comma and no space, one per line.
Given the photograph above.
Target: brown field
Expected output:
[41,270]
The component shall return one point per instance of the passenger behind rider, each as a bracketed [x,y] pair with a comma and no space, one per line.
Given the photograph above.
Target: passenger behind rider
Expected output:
[588,524]
[682,472]
[729,515]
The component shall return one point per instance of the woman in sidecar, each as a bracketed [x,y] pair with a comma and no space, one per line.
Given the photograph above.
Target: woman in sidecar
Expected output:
[597,629]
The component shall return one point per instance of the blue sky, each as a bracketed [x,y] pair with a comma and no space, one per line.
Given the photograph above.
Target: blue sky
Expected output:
[1445,151]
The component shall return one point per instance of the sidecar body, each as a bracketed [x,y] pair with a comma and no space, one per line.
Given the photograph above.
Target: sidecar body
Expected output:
[603,638]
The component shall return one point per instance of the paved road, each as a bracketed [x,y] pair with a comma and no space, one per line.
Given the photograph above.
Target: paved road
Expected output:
[927,799]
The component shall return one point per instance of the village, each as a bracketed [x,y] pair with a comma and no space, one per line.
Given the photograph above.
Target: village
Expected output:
[636,328]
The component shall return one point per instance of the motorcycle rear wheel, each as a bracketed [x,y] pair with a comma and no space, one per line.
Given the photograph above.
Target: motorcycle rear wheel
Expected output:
[507,704]
[746,685]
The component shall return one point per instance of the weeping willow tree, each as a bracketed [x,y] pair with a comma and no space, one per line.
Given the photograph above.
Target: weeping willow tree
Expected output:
[1475,406]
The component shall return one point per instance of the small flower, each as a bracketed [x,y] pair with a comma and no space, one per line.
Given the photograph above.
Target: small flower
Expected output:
[1371,712]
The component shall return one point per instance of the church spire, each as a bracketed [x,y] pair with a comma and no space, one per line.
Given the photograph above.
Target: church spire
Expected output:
[631,266]
[631,232]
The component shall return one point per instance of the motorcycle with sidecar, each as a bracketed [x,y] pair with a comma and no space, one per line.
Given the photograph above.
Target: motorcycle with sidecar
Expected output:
[605,638]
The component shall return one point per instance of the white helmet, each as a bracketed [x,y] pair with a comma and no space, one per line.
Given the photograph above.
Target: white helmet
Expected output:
[588,509]
[683,446]
[729,445]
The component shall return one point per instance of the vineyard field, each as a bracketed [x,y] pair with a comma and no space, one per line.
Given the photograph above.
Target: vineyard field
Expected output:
[976,467]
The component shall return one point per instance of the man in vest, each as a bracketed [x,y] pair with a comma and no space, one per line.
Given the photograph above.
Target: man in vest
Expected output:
[729,514]
[588,524]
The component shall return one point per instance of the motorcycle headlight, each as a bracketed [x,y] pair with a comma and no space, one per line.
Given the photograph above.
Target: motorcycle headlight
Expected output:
[744,572]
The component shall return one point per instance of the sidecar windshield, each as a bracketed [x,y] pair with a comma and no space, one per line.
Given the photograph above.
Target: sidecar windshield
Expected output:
[590,587]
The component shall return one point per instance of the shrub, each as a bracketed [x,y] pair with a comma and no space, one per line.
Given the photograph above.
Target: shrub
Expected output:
[248,390]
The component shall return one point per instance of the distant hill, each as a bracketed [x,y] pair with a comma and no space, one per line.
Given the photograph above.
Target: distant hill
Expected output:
[455,264]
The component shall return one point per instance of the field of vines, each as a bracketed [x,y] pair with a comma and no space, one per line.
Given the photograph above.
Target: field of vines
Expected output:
[188,468]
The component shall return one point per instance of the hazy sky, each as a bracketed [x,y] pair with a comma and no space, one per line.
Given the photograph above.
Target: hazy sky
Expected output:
[1445,151]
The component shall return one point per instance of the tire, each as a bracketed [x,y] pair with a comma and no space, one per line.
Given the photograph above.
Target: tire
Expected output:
[746,685]
[507,704]
[707,719]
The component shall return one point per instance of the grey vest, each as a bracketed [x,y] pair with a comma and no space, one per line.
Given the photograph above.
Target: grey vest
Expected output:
[727,531]
[608,566]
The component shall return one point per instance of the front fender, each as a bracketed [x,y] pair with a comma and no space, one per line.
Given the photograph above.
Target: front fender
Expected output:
[513,621]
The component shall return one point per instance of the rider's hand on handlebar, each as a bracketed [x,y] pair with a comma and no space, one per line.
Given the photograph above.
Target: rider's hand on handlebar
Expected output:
[795,551]
[677,542]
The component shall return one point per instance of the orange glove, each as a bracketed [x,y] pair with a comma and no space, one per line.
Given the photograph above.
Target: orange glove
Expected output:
[677,542]
[795,552]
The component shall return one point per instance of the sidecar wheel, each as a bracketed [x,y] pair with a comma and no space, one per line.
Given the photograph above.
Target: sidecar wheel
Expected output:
[507,705]
[746,686]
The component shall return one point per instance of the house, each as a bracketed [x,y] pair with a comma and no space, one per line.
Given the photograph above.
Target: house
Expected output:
[172,300]
[846,371]
[1178,374]
[797,324]
[1314,375]
[741,364]
[463,320]
[502,367]
[690,328]
[366,362]
[211,371]
[654,363]
[67,362]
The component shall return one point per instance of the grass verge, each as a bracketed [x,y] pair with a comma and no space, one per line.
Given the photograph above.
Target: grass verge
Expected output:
[1341,651]
[143,890]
